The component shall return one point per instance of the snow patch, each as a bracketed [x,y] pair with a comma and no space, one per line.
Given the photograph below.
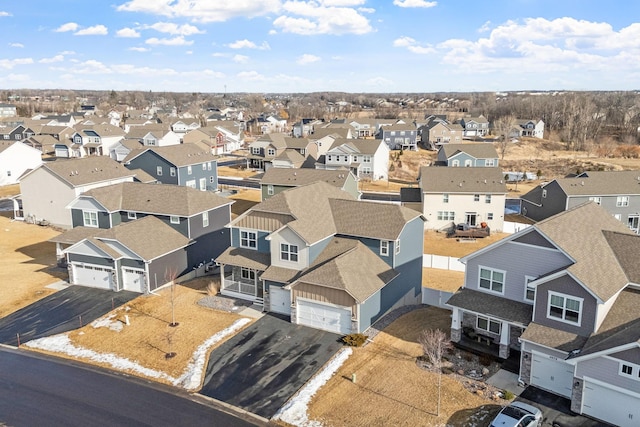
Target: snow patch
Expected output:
[295,410]
[107,322]
[191,378]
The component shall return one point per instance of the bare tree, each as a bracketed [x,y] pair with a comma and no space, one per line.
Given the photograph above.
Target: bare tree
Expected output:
[170,276]
[503,127]
[434,343]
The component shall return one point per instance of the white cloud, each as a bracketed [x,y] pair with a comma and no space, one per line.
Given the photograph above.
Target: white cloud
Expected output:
[412,46]
[307,59]
[485,27]
[247,44]
[67,52]
[415,3]
[128,33]
[240,59]
[96,30]
[91,67]
[57,58]
[250,75]
[139,49]
[3,13]
[203,11]
[69,26]
[19,45]
[219,55]
[311,18]
[174,29]
[366,10]
[176,41]
[8,64]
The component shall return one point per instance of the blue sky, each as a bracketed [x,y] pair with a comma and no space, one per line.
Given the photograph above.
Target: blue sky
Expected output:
[321,45]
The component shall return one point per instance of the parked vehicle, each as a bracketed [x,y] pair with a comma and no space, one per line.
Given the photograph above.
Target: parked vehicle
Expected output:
[518,414]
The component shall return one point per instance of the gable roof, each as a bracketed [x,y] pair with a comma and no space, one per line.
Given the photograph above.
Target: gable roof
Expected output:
[478,150]
[87,170]
[163,199]
[358,146]
[440,179]
[178,155]
[602,183]
[298,177]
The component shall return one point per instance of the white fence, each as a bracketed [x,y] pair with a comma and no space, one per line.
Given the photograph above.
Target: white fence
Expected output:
[514,227]
[435,297]
[442,262]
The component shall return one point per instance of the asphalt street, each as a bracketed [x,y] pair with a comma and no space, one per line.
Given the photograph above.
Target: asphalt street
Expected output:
[62,311]
[42,391]
[260,368]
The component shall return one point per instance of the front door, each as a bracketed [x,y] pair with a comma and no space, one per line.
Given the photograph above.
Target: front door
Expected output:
[471,218]
[633,222]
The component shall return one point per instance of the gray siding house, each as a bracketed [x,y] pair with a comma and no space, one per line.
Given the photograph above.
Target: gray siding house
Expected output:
[618,192]
[317,255]
[399,136]
[188,165]
[560,292]
[276,180]
[468,155]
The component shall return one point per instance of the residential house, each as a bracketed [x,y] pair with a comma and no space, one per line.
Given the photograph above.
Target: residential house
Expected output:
[365,158]
[364,128]
[563,292]
[618,192]
[108,135]
[438,132]
[276,180]
[8,110]
[184,126]
[399,136]
[468,155]
[528,128]
[44,143]
[138,256]
[199,216]
[16,133]
[472,195]
[17,158]
[189,165]
[474,126]
[305,127]
[265,124]
[158,135]
[49,188]
[267,148]
[323,259]
[223,136]
[345,132]
[67,120]
[122,148]
[60,133]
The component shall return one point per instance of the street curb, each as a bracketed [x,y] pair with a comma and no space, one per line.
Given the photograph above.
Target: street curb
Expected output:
[230,408]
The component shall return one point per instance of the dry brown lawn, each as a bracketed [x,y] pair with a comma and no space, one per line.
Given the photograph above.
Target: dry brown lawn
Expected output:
[236,171]
[442,280]
[244,200]
[439,244]
[390,389]
[9,190]
[149,337]
[26,264]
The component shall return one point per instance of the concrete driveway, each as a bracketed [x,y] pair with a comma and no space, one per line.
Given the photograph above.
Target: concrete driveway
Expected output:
[556,410]
[63,311]
[259,369]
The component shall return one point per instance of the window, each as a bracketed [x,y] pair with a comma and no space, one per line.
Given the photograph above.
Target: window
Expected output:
[633,221]
[445,198]
[255,150]
[208,165]
[564,308]
[544,193]
[131,215]
[622,201]
[288,252]
[8,173]
[270,190]
[90,219]
[367,159]
[446,215]
[6,136]
[384,247]
[248,239]
[597,200]
[487,324]
[618,217]
[204,166]
[191,183]
[476,197]
[329,157]
[492,280]
[487,198]
[489,163]
[247,274]
[468,163]
[455,163]
[189,170]
[174,219]
[172,171]
[529,291]
[210,180]
[159,170]
[205,219]
[271,152]
[626,369]
[397,247]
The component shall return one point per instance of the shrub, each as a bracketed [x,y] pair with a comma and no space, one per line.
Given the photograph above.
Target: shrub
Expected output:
[507,395]
[355,340]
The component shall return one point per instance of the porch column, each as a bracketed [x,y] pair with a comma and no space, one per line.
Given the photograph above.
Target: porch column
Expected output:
[504,340]
[456,326]
[221,277]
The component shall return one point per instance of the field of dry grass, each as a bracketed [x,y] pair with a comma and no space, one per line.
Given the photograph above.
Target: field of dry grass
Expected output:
[26,265]
[9,190]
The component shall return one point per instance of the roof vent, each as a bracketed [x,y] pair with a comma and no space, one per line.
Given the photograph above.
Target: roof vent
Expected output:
[582,183]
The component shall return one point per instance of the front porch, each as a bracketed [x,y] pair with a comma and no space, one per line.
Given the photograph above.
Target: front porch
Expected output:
[240,271]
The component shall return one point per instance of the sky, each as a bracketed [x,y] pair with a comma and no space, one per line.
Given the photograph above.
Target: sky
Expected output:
[285,46]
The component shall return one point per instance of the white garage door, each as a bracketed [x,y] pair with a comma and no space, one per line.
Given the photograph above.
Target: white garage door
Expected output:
[133,280]
[92,275]
[327,317]
[612,406]
[551,374]
[280,300]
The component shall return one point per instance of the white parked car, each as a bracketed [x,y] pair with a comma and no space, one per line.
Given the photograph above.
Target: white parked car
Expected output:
[518,414]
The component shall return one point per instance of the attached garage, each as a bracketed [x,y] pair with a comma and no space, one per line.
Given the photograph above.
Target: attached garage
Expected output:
[552,374]
[280,300]
[133,280]
[614,406]
[92,275]
[328,317]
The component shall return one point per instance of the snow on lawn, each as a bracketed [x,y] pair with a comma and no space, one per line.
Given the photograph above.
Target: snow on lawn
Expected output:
[108,322]
[189,380]
[295,410]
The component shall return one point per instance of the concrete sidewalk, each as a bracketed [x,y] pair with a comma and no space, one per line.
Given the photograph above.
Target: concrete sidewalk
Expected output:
[505,380]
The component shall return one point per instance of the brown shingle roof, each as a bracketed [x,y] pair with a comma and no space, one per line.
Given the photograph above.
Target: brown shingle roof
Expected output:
[552,337]
[77,172]
[492,305]
[178,155]
[602,183]
[477,150]
[440,179]
[297,177]
[245,258]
